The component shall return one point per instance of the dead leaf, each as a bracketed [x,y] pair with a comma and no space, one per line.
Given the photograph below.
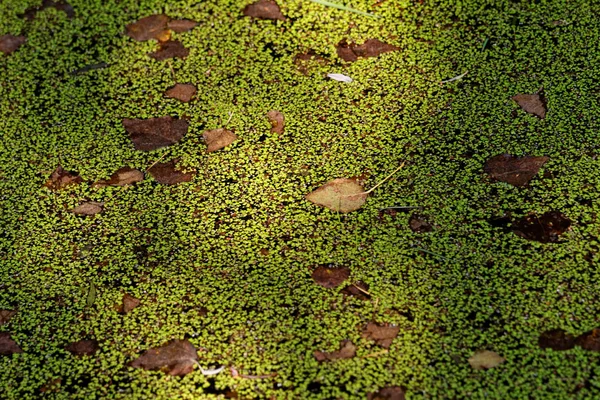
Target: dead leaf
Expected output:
[517,171]
[170,49]
[151,27]
[88,208]
[343,195]
[383,335]
[218,138]
[10,43]
[167,173]
[61,179]
[51,386]
[6,315]
[181,25]
[84,347]
[177,357]
[31,12]
[544,228]
[556,339]
[330,277]
[347,350]
[277,121]
[419,224]
[532,103]
[7,345]
[371,48]
[264,9]
[303,61]
[388,393]
[129,303]
[589,340]
[485,359]
[123,176]
[358,289]
[181,91]
[155,133]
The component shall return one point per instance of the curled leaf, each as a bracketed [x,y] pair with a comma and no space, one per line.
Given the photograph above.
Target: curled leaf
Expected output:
[342,194]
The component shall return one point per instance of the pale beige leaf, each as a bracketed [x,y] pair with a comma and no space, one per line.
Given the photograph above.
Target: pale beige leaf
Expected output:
[218,138]
[342,194]
[485,359]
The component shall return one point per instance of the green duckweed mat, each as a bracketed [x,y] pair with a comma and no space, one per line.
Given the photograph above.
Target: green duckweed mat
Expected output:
[445,260]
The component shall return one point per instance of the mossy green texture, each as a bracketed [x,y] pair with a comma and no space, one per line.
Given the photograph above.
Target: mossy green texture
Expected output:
[225,260]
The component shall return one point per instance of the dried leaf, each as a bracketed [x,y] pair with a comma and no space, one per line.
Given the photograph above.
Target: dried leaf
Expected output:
[388,393]
[7,345]
[419,224]
[167,173]
[358,289]
[517,171]
[264,9]
[170,49]
[218,138]
[182,91]
[10,43]
[343,195]
[330,277]
[88,208]
[129,303]
[347,350]
[51,386]
[383,335]
[123,176]
[84,347]
[151,27]
[556,339]
[277,121]
[544,228]
[532,104]
[589,340]
[6,315]
[339,77]
[177,357]
[154,133]
[370,48]
[181,25]
[61,179]
[304,61]
[485,359]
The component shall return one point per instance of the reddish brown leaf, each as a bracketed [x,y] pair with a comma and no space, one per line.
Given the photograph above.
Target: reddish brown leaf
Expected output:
[383,335]
[485,359]
[177,357]
[277,121]
[10,43]
[532,103]
[543,228]
[170,49]
[517,171]
[419,224]
[167,173]
[556,339]
[342,195]
[264,9]
[387,393]
[358,289]
[7,345]
[182,92]
[218,138]
[61,179]
[123,176]
[371,48]
[129,303]
[88,208]
[589,340]
[31,12]
[330,277]
[84,347]
[151,27]
[6,315]
[347,350]
[154,133]
[181,25]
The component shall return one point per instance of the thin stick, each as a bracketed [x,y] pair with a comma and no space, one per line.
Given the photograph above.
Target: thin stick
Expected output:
[172,70]
[455,78]
[343,7]
[361,289]
[380,183]
[155,162]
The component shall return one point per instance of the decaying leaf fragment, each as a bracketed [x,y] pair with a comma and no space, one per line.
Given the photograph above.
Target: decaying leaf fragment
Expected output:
[6,315]
[543,228]
[277,121]
[84,347]
[170,49]
[534,104]
[88,208]
[7,345]
[181,25]
[556,339]
[589,340]
[342,194]
[517,171]
[264,9]
[383,335]
[128,304]
[181,91]
[151,27]
[216,139]
[347,350]
[177,357]
[61,179]
[371,48]
[10,43]
[388,393]
[155,133]
[123,176]
[485,359]
[330,277]
[168,174]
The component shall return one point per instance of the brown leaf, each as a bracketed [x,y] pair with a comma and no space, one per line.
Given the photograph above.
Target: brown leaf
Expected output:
[88,208]
[6,315]
[123,176]
[388,393]
[419,224]
[60,5]
[129,303]
[485,359]
[177,357]
[357,289]
[556,339]
[61,179]
[7,345]
[167,173]
[371,48]
[347,350]
[182,92]
[51,386]
[303,61]
[264,9]
[517,171]
[544,228]
[343,195]
[532,103]
[10,43]
[151,27]
[181,25]
[84,347]
[383,335]
[589,340]
[330,277]
[154,133]
[277,121]
[218,138]
[170,49]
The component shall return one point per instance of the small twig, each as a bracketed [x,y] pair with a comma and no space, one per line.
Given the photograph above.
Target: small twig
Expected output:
[455,78]
[400,207]
[172,70]
[230,117]
[156,162]
[377,353]
[209,372]
[361,289]
[343,7]
[379,184]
